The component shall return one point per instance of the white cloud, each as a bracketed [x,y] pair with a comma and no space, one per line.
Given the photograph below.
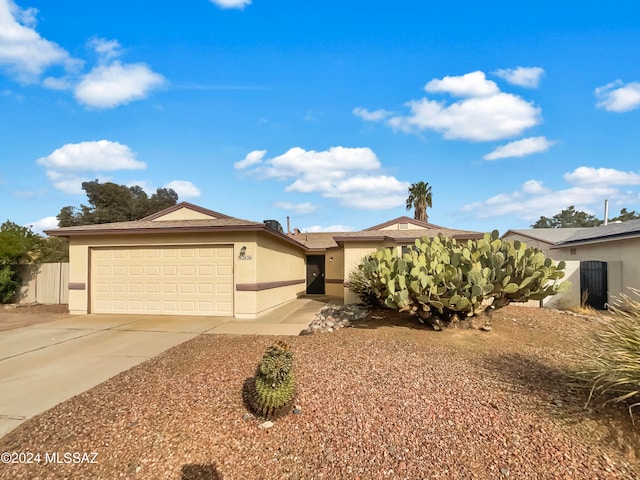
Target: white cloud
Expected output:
[374,116]
[311,165]
[106,49]
[522,76]
[252,158]
[617,97]
[23,52]
[531,205]
[601,176]
[102,155]
[231,3]
[473,84]
[67,182]
[350,175]
[43,224]
[60,83]
[534,186]
[520,148]
[330,228]
[184,188]
[299,208]
[370,192]
[483,113]
[108,86]
[588,189]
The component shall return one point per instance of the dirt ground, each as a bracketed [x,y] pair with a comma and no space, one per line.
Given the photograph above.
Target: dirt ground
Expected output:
[387,398]
[12,316]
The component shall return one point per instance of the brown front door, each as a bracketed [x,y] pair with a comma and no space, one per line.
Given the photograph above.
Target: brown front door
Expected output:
[315,274]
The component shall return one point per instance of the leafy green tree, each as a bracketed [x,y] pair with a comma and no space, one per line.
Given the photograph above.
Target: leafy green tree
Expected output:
[419,199]
[18,245]
[625,215]
[109,202]
[567,218]
[54,250]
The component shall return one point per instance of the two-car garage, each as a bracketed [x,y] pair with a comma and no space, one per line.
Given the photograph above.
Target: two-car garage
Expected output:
[180,279]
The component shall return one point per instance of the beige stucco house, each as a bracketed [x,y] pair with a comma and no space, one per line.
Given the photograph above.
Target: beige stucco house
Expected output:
[188,260]
[602,262]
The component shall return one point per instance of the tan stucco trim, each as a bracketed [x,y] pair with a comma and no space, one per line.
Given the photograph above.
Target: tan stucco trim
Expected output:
[334,280]
[257,287]
[77,286]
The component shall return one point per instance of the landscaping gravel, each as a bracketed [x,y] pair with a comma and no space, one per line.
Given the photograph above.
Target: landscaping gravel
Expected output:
[386,398]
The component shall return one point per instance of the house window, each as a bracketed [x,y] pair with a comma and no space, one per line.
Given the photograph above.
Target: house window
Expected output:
[572,251]
[404,226]
[409,248]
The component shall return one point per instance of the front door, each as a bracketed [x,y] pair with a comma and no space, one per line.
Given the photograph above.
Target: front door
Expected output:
[315,274]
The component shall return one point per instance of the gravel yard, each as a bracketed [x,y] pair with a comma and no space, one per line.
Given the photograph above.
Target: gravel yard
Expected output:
[386,399]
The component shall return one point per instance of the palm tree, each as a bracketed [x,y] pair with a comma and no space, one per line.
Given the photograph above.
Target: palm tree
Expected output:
[420,200]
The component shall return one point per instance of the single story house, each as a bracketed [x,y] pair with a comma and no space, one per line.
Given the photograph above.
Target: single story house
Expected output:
[542,238]
[602,262]
[188,260]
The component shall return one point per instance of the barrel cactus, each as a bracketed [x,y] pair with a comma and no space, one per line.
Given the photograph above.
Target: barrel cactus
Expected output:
[273,389]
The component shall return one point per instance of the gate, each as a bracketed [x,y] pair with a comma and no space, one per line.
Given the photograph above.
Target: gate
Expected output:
[593,284]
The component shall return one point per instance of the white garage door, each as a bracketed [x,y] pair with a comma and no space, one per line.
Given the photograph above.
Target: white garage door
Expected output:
[187,280]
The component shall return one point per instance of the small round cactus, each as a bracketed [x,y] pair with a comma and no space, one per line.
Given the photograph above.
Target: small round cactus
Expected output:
[273,391]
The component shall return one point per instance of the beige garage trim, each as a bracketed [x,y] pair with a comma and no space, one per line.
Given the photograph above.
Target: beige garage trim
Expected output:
[165,280]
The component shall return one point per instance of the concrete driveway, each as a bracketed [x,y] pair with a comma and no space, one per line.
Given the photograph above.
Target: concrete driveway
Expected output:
[44,364]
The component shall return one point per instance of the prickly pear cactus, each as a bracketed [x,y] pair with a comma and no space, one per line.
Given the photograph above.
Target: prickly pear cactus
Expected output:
[274,387]
[443,280]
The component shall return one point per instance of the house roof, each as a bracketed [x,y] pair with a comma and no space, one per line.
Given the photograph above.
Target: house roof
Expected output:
[403,220]
[379,233]
[603,233]
[150,224]
[218,222]
[547,235]
[316,240]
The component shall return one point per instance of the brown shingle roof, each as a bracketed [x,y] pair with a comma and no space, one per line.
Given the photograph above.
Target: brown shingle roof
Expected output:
[320,240]
[149,226]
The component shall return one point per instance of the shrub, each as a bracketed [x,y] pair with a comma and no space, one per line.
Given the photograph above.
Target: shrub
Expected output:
[273,389]
[8,284]
[613,365]
[447,279]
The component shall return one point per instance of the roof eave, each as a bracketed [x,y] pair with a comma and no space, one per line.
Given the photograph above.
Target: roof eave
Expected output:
[591,241]
[174,229]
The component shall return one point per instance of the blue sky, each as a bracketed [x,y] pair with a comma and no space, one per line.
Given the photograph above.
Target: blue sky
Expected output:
[323,111]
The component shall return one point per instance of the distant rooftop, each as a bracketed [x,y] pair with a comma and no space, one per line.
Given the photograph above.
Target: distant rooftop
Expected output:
[551,236]
[612,231]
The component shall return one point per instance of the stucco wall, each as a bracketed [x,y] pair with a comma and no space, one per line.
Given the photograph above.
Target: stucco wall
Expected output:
[334,272]
[353,254]
[183,214]
[570,298]
[276,262]
[530,242]
[405,226]
[622,257]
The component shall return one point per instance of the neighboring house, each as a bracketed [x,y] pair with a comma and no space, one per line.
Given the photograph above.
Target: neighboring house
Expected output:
[542,238]
[187,260]
[602,262]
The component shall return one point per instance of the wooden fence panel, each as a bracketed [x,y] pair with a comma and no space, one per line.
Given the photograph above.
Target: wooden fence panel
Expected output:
[46,283]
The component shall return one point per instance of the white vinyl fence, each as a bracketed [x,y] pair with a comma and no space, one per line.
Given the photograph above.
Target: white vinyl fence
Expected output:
[46,283]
